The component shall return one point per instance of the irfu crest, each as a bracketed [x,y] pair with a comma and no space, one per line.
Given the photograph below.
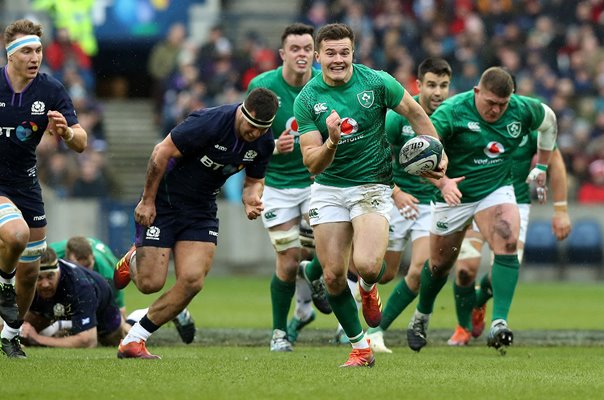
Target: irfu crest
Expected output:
[514,129]
[366,98]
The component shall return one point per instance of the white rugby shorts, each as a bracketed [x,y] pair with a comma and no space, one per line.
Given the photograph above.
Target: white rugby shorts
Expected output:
[335,204]
[402,229]
[282,205]
[448,219]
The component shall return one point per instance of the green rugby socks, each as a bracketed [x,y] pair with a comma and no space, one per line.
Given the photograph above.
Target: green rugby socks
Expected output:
[504,277]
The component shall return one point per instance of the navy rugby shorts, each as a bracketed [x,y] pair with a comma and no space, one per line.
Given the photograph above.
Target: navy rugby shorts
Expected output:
[172,225]
[29,201]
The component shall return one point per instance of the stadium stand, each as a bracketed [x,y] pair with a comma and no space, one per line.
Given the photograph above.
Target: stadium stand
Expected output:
[541,247]
[584,245]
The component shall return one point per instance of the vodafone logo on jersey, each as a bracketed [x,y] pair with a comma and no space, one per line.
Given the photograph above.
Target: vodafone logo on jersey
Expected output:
[349,126]
[292,125]
[494,149]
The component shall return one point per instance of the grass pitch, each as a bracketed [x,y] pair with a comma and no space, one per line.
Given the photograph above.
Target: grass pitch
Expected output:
[558,354]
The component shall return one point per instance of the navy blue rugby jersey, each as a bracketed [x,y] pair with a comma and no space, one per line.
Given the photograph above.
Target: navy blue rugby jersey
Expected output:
[80,294]
[211,153]
[23,121]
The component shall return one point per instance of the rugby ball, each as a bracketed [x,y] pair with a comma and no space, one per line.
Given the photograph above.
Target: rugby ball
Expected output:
[420,154]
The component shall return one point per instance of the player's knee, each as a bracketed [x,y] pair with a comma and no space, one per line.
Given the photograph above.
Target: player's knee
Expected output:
[148,285]
[465,277]
[192,284]
[440,268]
[287,271]
[388,276]
[16,240]
[413,278]
[335,282]
[392,266]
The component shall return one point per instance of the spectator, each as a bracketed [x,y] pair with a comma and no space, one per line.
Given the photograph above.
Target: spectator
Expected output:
[592,192]
[63,53]
[163,61]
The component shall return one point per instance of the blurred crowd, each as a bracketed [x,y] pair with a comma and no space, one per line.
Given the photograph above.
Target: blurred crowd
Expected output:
[554,49]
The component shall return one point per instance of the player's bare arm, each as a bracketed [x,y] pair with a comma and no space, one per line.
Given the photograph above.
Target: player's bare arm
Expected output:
[74,136]
[561,225]
[252,197]
[144,213]
[84,339]
[317,154]
[546,140]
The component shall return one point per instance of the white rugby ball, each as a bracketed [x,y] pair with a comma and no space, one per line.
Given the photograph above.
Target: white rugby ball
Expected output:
[420,154]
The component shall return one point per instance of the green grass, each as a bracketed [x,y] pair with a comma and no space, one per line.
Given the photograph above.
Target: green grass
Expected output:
[558,354]
[307,373]
[244,302]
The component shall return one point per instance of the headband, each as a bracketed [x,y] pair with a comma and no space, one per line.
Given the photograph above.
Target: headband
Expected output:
[50,266]
[256,122]
[22,41]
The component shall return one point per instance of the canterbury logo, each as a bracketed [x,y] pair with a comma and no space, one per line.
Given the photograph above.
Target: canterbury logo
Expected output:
[474,126]
[270,215]
[319,108]
[442,225]
[313,213]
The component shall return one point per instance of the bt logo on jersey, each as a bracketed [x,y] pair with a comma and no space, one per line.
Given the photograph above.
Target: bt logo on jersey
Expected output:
[207,161]
[6,130]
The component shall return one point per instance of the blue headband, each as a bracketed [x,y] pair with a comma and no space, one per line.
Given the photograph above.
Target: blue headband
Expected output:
[22,41]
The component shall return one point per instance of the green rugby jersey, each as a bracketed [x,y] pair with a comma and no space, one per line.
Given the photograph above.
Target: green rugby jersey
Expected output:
[479,150]
[363,155]
[284,170]
[399,131]
[104,262]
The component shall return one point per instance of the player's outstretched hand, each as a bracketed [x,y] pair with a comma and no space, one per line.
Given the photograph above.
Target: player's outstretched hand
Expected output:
[450,191]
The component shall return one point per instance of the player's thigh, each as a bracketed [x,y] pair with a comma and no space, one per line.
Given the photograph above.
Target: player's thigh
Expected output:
[193,260]
[370,240]
[444,250]
[500,225]
[333,243]
[152,265]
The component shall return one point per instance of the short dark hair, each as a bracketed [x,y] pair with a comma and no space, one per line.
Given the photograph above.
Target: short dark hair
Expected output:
[297,28]
[79,247]
[335,31]
[49,256]
[263,102]
[21,27]
[498,81]
[436,65]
